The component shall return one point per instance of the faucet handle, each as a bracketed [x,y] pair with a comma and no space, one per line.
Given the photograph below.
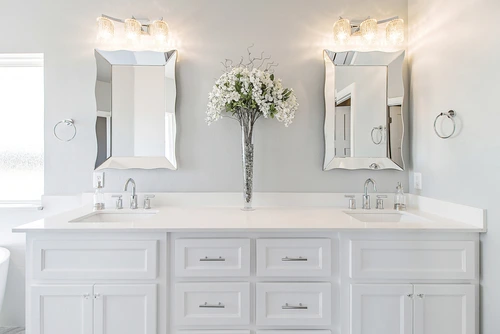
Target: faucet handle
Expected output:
[380,201]
[352,201]
[147,201]
[119,201]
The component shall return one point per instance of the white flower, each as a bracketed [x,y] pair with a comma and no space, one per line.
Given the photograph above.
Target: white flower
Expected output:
[241,89]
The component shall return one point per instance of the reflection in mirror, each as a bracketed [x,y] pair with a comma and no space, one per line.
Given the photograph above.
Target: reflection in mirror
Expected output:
[135,96]
[364,94]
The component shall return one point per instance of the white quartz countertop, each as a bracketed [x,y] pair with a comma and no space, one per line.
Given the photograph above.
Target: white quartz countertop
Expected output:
[233,219]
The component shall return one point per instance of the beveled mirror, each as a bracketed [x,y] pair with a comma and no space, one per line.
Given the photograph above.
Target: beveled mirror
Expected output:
[364,95]
[135,96]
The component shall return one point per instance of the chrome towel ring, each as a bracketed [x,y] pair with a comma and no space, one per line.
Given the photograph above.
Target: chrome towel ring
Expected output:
[450,115]
[380,129]
[67,122]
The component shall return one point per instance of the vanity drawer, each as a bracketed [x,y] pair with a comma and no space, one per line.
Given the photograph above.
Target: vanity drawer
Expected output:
[294,257]
[95,259]
[224,303]
[384,259]
[294,304]
[212,257]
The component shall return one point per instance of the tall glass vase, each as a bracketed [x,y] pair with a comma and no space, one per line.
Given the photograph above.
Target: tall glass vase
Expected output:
[247,156]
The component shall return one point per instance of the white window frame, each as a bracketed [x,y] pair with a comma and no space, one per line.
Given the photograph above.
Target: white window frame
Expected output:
[22,60]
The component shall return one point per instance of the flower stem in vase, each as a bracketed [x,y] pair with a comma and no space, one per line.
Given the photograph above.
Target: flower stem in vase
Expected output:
[247,156]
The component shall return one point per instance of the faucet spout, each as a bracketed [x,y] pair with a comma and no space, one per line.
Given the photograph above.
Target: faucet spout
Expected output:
[133,197]
[367,182]
[366,197]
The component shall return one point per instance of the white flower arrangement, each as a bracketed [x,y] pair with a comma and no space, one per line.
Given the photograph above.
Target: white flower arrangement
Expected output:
[247,93]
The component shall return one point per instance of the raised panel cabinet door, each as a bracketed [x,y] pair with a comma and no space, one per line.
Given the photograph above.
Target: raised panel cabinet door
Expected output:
[381,308]
[125,309]
[445,309]
[61,309]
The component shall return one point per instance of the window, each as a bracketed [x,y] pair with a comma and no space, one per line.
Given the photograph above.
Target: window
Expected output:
[21,127]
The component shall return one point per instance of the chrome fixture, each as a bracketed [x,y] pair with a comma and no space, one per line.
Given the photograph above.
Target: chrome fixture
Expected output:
[450,115]
[147,201]
[294,307]
[352,201]
[380,202]
[119,202]
[70,135]
[133,197]
[366,197]
[133,27]
[213,259]
[367,29]
[207,305]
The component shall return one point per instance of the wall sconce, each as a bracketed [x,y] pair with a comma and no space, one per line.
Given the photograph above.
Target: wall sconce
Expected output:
[343,29]
[134,28]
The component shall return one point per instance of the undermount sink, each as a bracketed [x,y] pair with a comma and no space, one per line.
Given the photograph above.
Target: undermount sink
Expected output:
[128,216]
[386,217]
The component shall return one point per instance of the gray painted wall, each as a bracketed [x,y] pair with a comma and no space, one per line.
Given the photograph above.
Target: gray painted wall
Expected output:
[294,32]
[455,65]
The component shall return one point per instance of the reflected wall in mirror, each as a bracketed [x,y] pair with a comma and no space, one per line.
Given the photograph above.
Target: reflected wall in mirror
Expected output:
[135,96]
[364,95]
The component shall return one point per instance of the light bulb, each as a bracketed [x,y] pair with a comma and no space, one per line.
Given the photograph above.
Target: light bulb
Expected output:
[159,30]
[395,32]
[105,29]
[368,29]
[342,31]
[132,29]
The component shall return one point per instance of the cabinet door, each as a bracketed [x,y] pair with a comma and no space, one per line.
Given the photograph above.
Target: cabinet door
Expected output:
[125,309]
[445,309]
[380,308]
[61,309]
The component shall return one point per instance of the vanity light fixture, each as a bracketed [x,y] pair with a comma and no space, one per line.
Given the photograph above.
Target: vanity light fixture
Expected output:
[105,29]
[367,29]
[134,28]
[395,31]
[342,31]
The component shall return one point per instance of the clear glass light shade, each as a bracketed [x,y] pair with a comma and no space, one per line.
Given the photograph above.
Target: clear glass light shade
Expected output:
[159,30]
[368,29]
[105,29]
[342,31]
[132,29]
[395,32]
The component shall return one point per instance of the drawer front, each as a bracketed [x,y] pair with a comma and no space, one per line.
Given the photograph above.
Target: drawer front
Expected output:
[294,304]
[412,259]
[198,304]
[212,257]
[294,257]
[95,259]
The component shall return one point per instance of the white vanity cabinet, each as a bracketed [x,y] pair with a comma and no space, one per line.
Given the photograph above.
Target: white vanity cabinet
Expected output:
[96,283]
[415,285]
[365,282]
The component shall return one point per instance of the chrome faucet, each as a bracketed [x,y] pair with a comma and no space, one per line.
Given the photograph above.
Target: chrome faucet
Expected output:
[133,197]
[366,197]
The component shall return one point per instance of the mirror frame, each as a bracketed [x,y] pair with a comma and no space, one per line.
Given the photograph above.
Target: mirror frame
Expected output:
[119,58]
[333,59]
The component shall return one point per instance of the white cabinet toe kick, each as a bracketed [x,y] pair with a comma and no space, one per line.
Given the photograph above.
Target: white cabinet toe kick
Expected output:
[252,283]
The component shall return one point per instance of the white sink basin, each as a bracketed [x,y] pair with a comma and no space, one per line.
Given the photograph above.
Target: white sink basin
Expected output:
[386,217]
[127,216]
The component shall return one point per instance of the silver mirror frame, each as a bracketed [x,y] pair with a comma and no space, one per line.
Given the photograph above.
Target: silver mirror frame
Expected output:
[104,62]
[332,60]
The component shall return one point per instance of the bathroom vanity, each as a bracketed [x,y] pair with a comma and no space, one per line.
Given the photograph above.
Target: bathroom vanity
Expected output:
[270,271]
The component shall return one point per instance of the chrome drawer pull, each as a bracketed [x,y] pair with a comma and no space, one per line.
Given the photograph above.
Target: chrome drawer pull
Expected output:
[207,305]
[294,259]
[294,307]
[213,259]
